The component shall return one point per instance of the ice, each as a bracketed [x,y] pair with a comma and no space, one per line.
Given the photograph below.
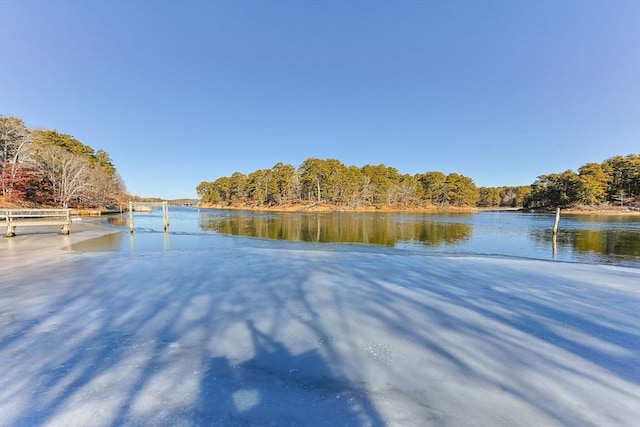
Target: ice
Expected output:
[274,335]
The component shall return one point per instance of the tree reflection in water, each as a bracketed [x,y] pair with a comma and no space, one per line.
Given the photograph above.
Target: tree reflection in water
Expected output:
[605,244]
[336,228]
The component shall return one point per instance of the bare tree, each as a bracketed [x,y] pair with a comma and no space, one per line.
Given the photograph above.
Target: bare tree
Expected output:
[403,192]
[67,172]
[104,187]
[15,143]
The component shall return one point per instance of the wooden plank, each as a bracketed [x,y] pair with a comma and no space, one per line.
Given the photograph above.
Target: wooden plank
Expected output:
[35,223]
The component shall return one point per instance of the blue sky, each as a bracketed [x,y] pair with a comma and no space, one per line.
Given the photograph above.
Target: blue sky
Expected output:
[179,92]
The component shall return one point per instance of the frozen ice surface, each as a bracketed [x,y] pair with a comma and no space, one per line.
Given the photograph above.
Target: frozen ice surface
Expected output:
[266,336]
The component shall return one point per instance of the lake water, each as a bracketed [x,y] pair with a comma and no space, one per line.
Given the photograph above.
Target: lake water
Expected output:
[581,238]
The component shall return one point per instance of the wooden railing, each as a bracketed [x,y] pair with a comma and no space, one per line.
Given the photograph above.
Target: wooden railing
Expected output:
[13,218]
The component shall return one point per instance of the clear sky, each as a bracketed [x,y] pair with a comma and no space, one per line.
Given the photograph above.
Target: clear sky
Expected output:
[179,92]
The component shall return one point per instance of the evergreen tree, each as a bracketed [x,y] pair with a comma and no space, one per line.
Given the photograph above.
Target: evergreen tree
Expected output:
[434,186]
[593,184]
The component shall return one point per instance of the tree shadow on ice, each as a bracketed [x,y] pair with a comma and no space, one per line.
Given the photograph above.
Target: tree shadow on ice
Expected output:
[79,362]
[276,387]
[510,321]
[127,341]
[503,296]
[567,316]
[302,338]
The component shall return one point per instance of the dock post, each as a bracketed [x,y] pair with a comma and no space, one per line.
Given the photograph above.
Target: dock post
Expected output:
[165,216]
[11,231]
[65,228]
[556,222]
[130,217]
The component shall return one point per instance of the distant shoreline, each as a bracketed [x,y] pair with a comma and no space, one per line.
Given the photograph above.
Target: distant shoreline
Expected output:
[328,208]
[605,210]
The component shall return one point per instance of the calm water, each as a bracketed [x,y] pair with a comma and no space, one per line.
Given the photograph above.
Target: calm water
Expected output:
[592,239]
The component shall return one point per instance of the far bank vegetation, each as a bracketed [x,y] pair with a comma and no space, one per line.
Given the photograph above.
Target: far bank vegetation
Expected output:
[614,182]
[41,167]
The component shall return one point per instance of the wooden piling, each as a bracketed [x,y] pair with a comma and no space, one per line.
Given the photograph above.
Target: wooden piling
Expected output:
[165,216]
[556,222]
[65,227]
[130,217]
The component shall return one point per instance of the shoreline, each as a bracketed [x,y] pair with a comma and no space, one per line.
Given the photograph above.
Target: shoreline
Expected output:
[40,242]
[328,208]
[96,214]
[605,212]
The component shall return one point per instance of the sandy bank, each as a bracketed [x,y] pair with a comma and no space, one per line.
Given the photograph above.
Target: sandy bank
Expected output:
[327,207]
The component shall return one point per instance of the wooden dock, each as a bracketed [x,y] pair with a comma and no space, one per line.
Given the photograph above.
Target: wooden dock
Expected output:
[142,208]
[13,218]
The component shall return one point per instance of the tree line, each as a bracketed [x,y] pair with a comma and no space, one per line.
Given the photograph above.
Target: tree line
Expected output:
[329,181]
[615,181]
[43,167]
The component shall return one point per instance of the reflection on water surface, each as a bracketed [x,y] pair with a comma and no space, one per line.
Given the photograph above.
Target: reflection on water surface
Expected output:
[337,228]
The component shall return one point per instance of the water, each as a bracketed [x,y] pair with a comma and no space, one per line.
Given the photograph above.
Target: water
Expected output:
[581,238]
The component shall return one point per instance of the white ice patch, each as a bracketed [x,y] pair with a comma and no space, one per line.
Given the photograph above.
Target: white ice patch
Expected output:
[246,399]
